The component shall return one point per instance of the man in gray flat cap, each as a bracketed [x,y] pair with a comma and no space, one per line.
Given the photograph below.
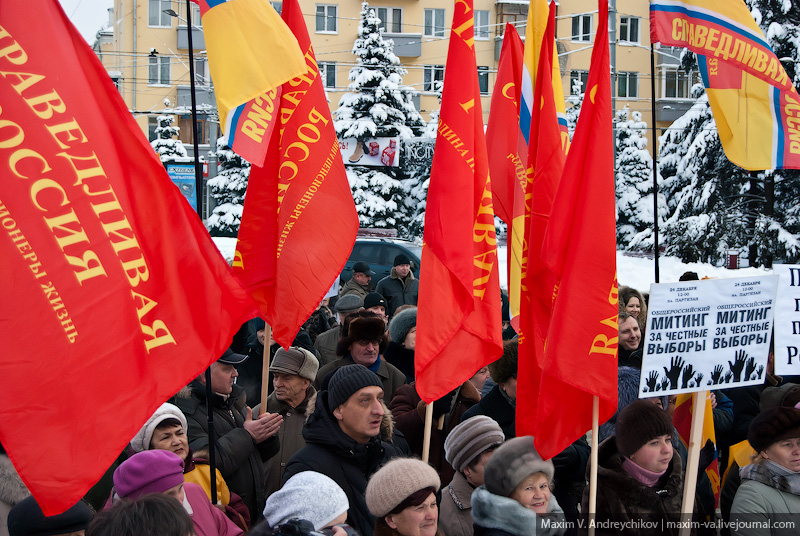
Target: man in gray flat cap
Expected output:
[292,370]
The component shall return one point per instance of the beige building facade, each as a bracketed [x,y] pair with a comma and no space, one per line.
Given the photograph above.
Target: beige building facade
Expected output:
[145,50]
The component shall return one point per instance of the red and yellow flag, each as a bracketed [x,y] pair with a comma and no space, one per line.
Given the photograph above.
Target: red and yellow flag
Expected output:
[545,166]
[458,325]
[580,248]
[112,294]
[682,419]
[250,51]
[755,104]
[299,222]
[508,155]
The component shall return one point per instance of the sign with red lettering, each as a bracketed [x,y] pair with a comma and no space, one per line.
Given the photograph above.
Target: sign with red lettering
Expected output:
[709,334]
[112,294]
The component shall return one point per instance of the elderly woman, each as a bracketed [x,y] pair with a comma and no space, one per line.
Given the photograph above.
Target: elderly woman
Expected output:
[632,302]
[166,430]
[311,496]
[402,497]
[639,476]
[160,471]
[515,498]
[770,489]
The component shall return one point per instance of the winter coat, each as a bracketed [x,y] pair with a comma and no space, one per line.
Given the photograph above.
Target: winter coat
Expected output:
[351,287]
[408,411]
[759,503]
[391,378]
[238,457]
[12,491]
[326,345]
[496,515]
[328,450]
[402,358]
[290,434]
[398,291]
[621,498]
[207,519]
[455,515]
[198,472]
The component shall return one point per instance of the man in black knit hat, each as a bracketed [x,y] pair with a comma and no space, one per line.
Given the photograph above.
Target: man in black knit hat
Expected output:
[343,438]
[400,287]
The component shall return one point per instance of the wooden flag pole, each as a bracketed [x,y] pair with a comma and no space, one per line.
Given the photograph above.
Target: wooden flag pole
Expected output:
[265,370]
[426,441]
[593,462]
[690,481]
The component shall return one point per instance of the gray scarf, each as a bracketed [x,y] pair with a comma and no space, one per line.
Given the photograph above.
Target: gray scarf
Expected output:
[773,475]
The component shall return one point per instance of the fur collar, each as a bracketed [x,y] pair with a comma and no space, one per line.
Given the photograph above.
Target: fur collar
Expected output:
[503,513]
[12,490]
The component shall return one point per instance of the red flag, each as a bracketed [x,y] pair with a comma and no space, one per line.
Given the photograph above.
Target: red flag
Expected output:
[546,164]
[508,157]
[459,301]
[299,222]
[113,295]
[507,148]
[580,247]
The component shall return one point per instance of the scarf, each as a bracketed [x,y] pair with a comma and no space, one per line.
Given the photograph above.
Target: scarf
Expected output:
[648,478]
[773,475]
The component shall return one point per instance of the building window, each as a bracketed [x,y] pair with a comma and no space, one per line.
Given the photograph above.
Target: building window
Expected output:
[278,6]
[483,79]
[201,71]
[196,21]
[629,29]
[152,125]
[156,15]
[327,72]
[481,24]
[158,70]
[516,14]
[433,77]
[185,124]
[628,85]
[391,17]
[677,84]
[326,18]
[582,28]
[434,22]
[577,82]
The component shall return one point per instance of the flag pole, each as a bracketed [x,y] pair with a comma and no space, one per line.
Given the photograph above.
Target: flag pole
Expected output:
[426,441]
[692,461]
[265,369]
[593,461]
[655,155]
[198,184]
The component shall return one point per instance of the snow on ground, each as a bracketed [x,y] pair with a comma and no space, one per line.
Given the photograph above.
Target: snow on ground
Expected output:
[637,272]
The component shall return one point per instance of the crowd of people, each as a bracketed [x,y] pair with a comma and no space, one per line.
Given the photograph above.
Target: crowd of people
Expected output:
[336,446]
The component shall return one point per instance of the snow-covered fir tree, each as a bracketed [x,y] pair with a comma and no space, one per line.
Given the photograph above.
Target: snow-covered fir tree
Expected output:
[165,143]
[703,188]
[228,189]
[575,99]
[776,193]
[377,105]
[634,184]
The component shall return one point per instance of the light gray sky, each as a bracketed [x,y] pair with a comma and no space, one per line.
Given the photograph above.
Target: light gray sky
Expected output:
[88,15]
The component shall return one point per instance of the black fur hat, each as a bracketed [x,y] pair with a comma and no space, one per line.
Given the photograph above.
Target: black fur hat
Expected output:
[361,325]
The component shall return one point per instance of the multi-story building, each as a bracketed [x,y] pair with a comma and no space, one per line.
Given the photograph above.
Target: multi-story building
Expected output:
[145,49]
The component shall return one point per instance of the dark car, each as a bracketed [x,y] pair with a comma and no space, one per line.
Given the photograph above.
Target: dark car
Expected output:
[379,253]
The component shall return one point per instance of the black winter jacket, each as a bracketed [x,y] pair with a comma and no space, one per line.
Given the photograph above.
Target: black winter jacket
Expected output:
[330,451]
[238,457]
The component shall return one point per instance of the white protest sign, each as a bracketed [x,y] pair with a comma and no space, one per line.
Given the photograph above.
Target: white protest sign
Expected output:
[787,320]
[703,334]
